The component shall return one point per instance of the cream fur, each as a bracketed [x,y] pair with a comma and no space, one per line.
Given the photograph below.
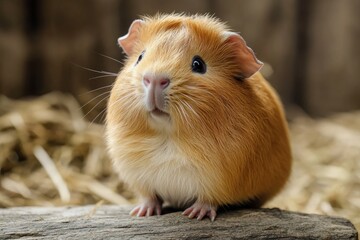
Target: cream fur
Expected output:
[225,141]
[163,170]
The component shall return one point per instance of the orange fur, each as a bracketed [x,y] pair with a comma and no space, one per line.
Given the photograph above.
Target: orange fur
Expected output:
[226,141]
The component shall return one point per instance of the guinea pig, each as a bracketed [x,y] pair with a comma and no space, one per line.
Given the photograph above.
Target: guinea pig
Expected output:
[190,120]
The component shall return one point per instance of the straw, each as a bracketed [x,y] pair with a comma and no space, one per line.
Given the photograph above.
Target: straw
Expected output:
[53,173]
[49,152]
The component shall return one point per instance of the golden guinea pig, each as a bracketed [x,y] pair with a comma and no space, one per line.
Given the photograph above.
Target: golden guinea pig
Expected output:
[191,122]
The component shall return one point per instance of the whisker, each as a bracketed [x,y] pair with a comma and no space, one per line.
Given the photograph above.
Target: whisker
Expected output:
[125,97]
[97,89]
[97,71]
[102,76]
[191,108]
[187,104]
[178,111]
[102,111]
[130,104]
[182,112]
[110,58]
[103,118]
[105,98]
[94,99]
[186,115]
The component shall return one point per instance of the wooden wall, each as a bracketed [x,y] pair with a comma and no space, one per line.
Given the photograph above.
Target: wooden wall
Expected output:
[311,47]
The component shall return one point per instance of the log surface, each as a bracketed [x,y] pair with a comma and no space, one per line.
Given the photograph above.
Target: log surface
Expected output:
[114,222]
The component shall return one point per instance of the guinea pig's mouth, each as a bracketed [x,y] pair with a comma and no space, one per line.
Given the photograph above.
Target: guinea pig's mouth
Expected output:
[156,112]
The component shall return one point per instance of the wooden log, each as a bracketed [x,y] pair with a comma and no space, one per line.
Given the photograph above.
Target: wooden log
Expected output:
[108,222]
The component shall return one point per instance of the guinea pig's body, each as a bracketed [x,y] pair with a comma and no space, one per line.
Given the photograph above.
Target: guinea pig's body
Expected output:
[190,120]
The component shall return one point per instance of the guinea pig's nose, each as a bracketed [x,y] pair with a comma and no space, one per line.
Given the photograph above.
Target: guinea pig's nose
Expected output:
[160,82]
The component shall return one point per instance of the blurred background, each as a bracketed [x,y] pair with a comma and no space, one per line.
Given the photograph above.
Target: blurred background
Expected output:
[311,47]
[312,55]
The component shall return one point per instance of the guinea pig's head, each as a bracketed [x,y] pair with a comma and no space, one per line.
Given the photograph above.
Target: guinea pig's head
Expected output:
[180,71]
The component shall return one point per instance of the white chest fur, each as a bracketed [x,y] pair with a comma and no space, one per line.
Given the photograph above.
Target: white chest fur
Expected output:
[163,170]
[173,178]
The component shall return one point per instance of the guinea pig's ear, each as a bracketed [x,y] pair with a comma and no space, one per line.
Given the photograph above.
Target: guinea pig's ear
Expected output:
[127,42]
[248,63]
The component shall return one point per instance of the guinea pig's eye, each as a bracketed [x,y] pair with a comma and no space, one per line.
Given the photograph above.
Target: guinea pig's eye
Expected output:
[140,57]
[198,65]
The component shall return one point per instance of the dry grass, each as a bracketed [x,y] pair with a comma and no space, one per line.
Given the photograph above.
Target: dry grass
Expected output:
[50,155]
[326,170]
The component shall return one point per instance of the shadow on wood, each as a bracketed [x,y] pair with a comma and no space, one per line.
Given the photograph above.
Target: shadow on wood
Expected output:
[107,222]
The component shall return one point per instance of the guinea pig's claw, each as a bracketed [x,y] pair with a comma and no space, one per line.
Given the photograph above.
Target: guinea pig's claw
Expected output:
[147,208]
[200,210]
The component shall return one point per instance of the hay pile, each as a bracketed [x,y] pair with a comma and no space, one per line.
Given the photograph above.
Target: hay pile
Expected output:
[50,155]
[326,169]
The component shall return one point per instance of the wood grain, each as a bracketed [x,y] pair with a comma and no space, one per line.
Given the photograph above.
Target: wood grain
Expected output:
[109,222]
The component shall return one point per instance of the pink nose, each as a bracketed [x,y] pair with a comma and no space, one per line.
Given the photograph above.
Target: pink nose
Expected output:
[157,82]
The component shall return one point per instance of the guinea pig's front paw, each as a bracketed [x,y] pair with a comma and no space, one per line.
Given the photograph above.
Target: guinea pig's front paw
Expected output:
[147,208]
[200,210]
